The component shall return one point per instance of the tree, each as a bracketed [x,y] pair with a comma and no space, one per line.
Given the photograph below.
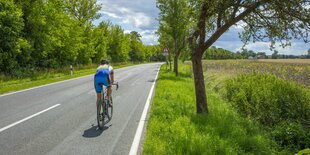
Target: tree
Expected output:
[119,45]
[277,20]
[11,25]
[274,54]
[83,10]
[173,19]
[101,40]
[309,51]
[136,52]
[166,42]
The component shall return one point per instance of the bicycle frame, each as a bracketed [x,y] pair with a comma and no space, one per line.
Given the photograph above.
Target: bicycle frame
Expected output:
[106,106]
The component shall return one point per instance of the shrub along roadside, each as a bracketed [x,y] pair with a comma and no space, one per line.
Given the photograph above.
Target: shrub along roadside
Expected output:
[175,128]
[282,107]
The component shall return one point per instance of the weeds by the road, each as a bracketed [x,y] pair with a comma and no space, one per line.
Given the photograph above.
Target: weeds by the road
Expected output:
[175,128]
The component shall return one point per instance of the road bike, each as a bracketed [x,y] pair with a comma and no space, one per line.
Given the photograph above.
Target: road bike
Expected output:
[105,108]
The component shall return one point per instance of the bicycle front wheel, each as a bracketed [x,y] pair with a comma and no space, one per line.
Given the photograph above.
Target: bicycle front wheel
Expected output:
[100,115]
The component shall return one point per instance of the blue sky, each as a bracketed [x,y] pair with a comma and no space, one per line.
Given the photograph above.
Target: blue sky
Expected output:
[140,16]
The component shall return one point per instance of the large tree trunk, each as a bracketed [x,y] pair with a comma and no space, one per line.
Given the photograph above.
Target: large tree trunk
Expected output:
[201,98]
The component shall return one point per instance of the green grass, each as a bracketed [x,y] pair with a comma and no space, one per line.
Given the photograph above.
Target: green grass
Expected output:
[175,128]
[9,85]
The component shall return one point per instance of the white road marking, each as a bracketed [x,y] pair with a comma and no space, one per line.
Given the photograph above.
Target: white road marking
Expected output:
[136,141]
[29,117]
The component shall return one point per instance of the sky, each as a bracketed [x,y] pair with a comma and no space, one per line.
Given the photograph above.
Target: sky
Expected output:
[141,16]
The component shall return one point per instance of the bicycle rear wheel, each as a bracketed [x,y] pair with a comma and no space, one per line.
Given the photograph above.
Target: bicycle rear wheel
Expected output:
[100,115]
[109,109]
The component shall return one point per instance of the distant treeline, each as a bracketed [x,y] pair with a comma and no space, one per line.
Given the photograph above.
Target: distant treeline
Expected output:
[57,33]
[214,53]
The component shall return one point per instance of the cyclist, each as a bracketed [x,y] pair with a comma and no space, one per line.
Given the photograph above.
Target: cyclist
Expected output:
[104,75]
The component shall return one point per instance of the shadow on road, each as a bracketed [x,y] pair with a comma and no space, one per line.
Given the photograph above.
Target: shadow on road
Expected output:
[94,131]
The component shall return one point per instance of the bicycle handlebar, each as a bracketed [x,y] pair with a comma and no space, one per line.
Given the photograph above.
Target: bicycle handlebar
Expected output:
[116,85]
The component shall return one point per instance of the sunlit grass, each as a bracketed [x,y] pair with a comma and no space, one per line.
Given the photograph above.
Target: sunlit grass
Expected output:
[175,128]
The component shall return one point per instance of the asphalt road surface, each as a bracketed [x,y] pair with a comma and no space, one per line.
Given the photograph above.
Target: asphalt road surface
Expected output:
[61,118]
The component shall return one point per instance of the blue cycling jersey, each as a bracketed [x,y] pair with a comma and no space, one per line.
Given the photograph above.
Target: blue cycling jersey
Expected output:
[102,77]
[103,71]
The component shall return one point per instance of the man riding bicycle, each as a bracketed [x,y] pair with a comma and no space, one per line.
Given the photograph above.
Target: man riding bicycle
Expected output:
[104,76]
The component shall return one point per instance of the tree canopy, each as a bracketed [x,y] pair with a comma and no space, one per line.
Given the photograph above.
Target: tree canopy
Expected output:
[173,20]
[55,33]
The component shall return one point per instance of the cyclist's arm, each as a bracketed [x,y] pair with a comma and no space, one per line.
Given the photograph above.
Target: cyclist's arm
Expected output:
[111,74]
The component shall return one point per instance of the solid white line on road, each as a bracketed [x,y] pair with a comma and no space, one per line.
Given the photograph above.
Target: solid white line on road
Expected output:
[29,117]
[136,140]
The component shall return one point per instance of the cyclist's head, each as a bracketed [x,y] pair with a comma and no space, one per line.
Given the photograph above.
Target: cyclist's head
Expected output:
[104,62]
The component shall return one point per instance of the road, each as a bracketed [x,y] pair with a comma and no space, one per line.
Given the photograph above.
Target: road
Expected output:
[61,118]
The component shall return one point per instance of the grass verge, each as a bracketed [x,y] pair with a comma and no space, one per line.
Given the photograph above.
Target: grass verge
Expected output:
[7,86]
[175,128]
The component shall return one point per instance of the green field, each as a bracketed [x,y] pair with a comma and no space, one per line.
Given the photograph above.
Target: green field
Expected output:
[175,128]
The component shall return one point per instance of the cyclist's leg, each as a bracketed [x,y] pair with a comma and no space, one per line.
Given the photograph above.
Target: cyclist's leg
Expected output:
[98,89]
[109,88]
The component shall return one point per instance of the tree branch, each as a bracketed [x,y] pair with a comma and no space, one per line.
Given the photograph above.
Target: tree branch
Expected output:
[227,25]
[233,15]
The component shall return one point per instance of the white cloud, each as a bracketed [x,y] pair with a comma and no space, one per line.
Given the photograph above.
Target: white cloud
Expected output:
[127,15]
[110,14]
[149,37]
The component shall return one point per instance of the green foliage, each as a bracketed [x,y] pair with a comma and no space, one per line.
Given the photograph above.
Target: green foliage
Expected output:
[136,47]
[173,29]
[101,41]
[175,128]
[275,103]
[84,11]
[291,135]
[214,53]
[51,34]
[11,24]
[119,46]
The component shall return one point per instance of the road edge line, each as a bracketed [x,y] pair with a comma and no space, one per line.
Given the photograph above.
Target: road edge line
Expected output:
[136,141]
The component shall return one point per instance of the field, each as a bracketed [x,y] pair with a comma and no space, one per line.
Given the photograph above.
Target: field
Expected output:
[296,70]
[303,61]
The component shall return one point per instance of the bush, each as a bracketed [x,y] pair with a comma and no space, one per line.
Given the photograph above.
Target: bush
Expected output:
[25,72]
[275,103]
[291,135]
